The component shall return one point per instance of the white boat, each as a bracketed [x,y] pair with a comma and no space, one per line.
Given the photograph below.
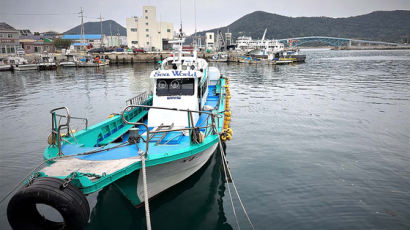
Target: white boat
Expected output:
[5,65]
[46,62]
[71,60]
[259,47]
[20,64]
[159,140]
[220,57]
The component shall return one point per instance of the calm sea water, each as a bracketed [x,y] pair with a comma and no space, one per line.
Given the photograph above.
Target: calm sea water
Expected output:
[320,145]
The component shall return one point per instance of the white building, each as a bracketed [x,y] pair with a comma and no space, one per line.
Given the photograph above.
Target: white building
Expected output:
[115,41]
[209,40]
[146,32]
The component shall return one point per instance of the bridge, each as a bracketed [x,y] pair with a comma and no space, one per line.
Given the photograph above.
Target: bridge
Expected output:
[333,41]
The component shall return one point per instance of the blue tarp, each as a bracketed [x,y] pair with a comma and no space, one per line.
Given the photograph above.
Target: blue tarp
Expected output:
[78,36]
[80,44]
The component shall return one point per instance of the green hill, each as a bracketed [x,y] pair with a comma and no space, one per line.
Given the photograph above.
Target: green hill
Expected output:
[389,26]
[95,28]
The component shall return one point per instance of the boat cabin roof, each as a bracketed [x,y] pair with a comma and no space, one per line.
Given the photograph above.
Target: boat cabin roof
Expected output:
[180,67]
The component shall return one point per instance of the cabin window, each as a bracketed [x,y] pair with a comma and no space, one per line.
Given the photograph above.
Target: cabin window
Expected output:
[173,87]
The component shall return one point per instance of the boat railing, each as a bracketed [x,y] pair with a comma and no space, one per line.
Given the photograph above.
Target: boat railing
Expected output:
[139,99]
[58,126]
[210,128]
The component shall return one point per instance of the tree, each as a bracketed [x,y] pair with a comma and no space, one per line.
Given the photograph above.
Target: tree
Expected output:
[62,43]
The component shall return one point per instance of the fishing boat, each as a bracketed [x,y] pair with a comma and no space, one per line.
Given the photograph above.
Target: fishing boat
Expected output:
[69,61]
[90,61]
[19,63]
[220,57]
[158,140]
[46,62]
[295,54]
[5,65]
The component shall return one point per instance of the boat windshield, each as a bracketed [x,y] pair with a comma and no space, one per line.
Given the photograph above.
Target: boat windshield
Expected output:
[174,87]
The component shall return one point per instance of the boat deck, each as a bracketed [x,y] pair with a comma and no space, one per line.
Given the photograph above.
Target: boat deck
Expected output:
[114,151]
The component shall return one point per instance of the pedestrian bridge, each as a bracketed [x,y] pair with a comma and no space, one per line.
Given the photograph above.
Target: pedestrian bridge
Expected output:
[333,41]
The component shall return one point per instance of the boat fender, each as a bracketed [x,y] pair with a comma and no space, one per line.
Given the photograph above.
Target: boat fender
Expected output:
[223,137]
[229,130]
[22,212]
[51,140]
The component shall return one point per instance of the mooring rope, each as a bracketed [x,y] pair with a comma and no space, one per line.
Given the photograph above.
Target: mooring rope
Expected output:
[227,185]
[144,181]
[225,162]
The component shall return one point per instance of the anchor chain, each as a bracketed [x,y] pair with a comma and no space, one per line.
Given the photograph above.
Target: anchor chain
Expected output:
[67,180]
[33,177]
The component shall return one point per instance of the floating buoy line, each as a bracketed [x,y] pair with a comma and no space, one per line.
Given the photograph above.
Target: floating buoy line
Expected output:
[225,135]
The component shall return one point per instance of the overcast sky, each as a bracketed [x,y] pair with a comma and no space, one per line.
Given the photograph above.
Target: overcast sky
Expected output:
[61,15]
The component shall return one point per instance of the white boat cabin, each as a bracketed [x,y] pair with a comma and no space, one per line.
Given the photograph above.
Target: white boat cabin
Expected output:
[180,82]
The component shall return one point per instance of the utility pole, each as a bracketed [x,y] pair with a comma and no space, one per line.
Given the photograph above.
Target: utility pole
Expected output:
[111,36]
[118,37]
[82,26]
[101,30]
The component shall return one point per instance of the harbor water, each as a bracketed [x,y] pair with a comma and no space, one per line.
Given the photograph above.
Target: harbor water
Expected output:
[320,145]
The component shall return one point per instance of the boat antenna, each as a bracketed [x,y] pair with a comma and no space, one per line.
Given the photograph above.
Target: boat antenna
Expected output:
[195,14]
[180,18]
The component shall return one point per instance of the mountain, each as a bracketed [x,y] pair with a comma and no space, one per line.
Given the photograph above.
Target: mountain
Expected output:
[95,28]
[389,26]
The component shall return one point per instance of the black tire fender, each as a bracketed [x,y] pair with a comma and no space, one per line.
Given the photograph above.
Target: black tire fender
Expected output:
[70,202]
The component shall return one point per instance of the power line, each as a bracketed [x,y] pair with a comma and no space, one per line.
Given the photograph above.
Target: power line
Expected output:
[37,14]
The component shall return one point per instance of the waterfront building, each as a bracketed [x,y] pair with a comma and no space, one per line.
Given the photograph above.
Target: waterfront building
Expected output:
[37,46]
[209,40]
[146,32]
[9,39]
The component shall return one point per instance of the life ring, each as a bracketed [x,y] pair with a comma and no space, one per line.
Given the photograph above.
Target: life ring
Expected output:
[22,212]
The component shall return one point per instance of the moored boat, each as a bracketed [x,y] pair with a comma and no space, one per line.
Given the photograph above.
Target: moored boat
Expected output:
[159,139]
[19,63]
[69,61]
[90,61]
[46,62]
[5,65]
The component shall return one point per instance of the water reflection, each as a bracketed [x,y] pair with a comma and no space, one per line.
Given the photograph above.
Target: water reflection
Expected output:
[196,203]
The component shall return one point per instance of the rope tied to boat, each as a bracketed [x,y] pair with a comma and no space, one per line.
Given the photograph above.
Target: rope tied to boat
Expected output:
[228,172]
[145,186]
